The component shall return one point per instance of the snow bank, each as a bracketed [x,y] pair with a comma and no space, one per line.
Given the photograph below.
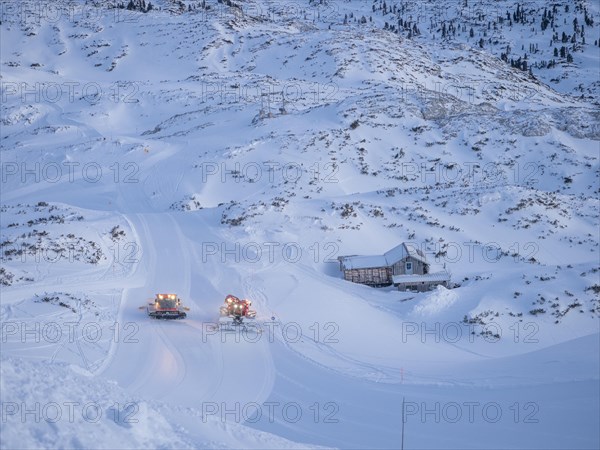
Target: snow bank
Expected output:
[436,302]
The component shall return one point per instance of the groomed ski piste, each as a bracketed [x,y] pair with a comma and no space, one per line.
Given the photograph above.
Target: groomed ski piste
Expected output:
[240,150]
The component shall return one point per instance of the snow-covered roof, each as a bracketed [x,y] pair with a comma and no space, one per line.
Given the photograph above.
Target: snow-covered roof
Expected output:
[437,276]
[401,251]
[388,259]
[363,262]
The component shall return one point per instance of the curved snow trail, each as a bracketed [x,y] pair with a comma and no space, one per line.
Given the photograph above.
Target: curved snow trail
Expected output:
[179,361]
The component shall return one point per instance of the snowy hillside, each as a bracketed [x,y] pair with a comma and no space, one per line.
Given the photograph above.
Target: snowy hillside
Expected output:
[207,148]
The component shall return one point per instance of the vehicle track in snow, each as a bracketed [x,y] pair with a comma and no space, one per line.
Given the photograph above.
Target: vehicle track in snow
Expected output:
[174,360]
[362,370]
[150,362]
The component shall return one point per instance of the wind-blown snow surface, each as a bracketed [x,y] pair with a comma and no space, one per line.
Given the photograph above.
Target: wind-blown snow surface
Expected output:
[206,148]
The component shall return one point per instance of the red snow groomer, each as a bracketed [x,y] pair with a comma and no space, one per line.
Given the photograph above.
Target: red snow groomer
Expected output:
[237,309]
[166,306]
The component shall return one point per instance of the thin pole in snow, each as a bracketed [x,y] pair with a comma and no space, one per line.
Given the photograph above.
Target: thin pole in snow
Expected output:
[402,442]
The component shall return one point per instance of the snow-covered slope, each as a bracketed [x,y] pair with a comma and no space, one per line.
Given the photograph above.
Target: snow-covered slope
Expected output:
[207,148]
